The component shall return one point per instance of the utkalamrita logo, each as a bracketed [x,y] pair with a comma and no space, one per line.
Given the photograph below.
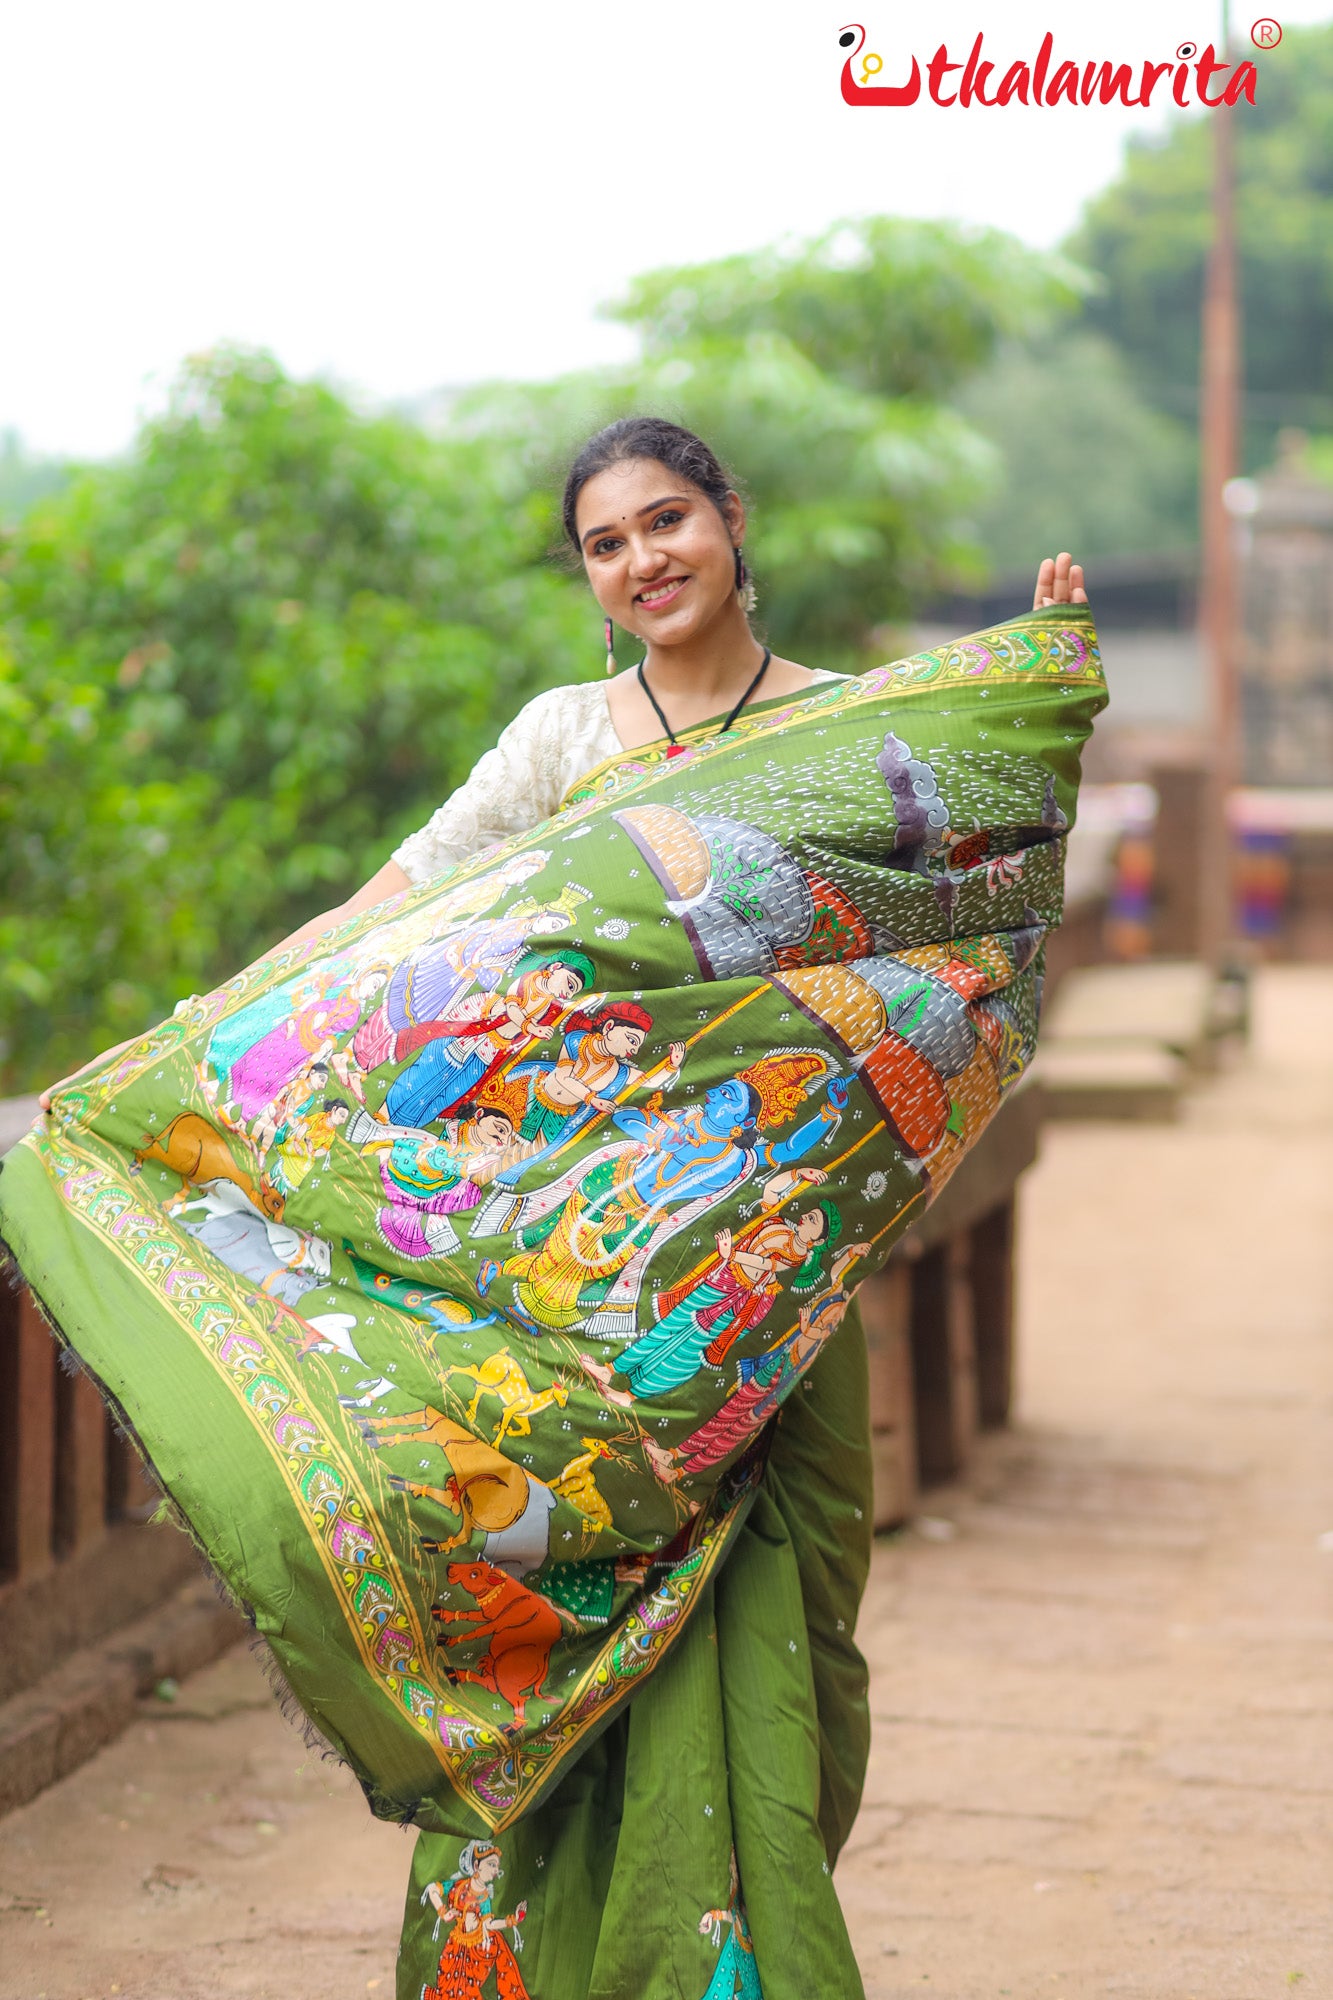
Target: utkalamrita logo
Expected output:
[970,81]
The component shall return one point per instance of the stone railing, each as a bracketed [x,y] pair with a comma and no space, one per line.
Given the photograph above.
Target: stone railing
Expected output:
[939,1319]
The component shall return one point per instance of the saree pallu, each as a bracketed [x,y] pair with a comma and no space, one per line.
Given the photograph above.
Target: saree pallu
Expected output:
[525,1440]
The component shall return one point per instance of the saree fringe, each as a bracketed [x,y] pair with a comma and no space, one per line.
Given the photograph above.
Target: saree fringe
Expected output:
[72,1363]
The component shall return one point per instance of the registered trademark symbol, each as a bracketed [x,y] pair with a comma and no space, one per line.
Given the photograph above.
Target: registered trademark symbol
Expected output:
[1265,34]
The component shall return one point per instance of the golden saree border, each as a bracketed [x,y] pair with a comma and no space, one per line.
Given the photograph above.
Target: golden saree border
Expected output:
[496,1776]
[997,654]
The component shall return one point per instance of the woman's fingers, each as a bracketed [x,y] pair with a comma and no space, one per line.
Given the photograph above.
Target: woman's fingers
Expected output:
[1059,581]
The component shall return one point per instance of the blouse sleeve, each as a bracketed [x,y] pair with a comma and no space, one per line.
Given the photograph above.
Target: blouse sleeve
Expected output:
[511,788]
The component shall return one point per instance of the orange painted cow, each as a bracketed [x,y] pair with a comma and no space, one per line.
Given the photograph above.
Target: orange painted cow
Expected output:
[521,1626]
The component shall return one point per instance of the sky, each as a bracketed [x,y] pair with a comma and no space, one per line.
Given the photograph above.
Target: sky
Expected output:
[425,193]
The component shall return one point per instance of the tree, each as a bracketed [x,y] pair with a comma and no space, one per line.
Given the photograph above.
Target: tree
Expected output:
[232,672]
[853,497]
[820,370]
[887,306]
[1147,236]
[1087,464]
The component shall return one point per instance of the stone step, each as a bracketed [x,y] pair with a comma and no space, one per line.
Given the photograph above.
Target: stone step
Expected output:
[1129,1077]
[1168,1002]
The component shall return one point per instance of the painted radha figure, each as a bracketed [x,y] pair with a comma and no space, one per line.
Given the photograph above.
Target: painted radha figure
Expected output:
[703,1317]
[429,1176]
[427,985]
[474,1948]
[485,1034]
[589,1225]
[594,1069]
[763,1383]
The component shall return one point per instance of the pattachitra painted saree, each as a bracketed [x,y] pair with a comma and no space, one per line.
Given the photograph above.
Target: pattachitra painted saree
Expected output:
[471,1278]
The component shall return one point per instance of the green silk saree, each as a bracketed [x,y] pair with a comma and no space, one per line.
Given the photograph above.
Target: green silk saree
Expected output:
[470,1279]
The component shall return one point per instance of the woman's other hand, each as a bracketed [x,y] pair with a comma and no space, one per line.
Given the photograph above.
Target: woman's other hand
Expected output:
[1059,581]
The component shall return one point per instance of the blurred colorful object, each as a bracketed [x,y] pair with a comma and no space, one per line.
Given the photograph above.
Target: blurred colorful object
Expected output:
[1129,911]
[1278,834]
[1261,879]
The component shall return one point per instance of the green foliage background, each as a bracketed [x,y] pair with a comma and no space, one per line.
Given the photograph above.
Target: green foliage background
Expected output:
[1147,236]
[232,672]
[237,667]
[25,478]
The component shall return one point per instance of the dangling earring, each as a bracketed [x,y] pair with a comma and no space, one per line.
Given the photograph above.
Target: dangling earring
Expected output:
[610,648]
[744,587]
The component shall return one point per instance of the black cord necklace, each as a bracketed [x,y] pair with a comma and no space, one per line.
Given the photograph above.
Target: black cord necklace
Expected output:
[677,747]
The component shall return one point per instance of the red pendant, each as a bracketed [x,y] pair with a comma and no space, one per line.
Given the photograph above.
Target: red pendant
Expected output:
[678,750]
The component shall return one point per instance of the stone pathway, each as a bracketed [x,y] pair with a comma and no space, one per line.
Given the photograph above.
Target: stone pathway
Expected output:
[205,1853]
[1103,1753]
[1103,1757]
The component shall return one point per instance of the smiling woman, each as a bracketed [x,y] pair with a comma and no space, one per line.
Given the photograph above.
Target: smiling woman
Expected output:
[667,563]
[456,1265]
[660,529]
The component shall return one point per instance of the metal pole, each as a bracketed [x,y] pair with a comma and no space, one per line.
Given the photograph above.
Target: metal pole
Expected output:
[1219,461]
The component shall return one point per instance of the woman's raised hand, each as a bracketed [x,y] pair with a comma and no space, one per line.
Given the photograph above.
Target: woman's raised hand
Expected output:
[1059,581]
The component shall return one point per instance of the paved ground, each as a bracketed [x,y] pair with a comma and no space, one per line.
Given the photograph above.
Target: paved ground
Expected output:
[1103,1760]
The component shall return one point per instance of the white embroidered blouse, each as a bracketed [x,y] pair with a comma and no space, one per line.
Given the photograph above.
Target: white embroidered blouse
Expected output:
[552,742]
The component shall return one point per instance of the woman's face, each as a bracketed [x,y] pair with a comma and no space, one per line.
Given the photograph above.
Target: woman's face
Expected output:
[812,1227]
[563,983]
[659,556]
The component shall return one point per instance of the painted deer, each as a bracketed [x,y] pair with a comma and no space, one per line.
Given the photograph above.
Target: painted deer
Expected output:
[578,1483]
[501,1376]
[197,1151]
